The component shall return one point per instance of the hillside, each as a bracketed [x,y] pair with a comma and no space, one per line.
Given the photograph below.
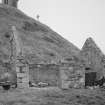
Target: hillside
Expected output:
[39,42]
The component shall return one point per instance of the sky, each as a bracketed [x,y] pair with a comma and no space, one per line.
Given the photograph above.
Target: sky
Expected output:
[75,20]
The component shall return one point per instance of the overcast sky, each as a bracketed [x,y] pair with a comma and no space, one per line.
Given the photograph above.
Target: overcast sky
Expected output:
[75,20]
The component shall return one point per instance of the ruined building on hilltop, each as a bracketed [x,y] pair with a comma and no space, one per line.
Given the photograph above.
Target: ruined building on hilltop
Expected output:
[12,3]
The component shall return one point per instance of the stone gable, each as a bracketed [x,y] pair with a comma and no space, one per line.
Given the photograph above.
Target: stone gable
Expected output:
[93,56]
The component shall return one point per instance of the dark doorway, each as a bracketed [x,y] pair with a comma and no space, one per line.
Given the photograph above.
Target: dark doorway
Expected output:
[90,78]
[87,68]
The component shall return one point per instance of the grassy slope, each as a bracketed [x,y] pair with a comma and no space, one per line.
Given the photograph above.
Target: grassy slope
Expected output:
[40,43]
[52,96]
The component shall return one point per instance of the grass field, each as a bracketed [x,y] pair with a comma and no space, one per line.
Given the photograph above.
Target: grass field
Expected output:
[52,96]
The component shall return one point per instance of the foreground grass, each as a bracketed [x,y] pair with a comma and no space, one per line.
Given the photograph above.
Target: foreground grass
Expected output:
[52,96]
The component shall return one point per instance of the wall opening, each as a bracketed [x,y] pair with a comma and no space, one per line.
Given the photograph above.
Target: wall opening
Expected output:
[90,78]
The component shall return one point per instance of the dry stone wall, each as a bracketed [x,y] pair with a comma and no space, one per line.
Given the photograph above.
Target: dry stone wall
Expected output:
[71,77]
[45,73]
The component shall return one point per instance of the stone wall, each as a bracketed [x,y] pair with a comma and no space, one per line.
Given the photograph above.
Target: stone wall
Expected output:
[93,57]
[46,73]
[71,76]
[22,77]
[22,70]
